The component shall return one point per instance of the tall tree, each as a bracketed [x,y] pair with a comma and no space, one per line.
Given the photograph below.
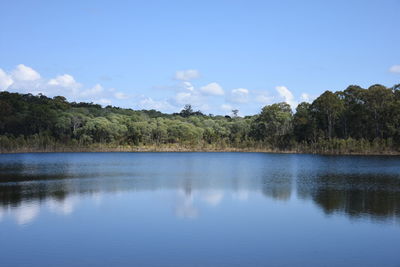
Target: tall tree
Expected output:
[353,121]
[187,111]
[379,101]
[273,122]
[327,108]
[304,127]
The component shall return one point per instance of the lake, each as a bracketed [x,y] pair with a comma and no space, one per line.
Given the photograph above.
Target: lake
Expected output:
[199,209]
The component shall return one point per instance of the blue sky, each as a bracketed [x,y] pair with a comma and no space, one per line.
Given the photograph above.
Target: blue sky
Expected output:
[215,55]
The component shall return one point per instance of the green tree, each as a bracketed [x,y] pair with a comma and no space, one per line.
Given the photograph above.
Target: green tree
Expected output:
[274,122]
[304,127]
[187,111]
[379,101]
[327,109]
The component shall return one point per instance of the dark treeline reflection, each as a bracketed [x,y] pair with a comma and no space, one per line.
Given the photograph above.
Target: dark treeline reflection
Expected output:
[367,192]
[356,195]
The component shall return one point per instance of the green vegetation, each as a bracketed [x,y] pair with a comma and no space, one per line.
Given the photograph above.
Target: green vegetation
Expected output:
[356,120]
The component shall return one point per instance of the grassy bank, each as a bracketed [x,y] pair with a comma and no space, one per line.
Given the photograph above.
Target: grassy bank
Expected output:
[179,148]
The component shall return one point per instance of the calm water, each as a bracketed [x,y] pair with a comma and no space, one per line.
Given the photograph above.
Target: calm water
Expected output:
[199,209]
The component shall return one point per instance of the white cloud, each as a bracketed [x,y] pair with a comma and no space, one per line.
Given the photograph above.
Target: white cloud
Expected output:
[187,75]
[24,79]
[226,107]
[104,101]
[5,80]
[25,73]
[66,81]
[184,98]
[193,98]
[120,95]
[395,69]
[240,91]
[305,97]
[283,94]
[149,103]
[212,89]
[203,107]
[239,95]
[198,101]
[66,85]
[95,90]
[264,99]
[286,95]
[188,86]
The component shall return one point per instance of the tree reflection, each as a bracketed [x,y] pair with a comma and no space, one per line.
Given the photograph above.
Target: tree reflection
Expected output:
[356,195]
[277,186]
[346,192]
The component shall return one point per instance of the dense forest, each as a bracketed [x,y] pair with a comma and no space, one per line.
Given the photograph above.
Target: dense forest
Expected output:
[356,120]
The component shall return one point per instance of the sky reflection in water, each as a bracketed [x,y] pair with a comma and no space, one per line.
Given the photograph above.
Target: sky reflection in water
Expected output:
[218,208]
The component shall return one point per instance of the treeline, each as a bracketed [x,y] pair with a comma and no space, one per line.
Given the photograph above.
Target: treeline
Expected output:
[355,120]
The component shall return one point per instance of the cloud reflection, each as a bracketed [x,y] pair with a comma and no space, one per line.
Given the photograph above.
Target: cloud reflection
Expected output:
[201,179]
[64,206]
[26,213]
[241,195]
[184,207]
[213,198]
[2,212]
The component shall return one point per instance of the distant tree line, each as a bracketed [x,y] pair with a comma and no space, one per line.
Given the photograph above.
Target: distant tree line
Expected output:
[356,120]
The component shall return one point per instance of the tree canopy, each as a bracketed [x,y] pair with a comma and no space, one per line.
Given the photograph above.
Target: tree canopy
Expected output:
[353,120]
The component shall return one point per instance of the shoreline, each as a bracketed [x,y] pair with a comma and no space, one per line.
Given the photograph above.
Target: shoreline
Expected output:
[193,150]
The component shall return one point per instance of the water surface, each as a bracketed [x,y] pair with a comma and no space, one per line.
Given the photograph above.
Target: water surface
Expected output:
[199,209]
